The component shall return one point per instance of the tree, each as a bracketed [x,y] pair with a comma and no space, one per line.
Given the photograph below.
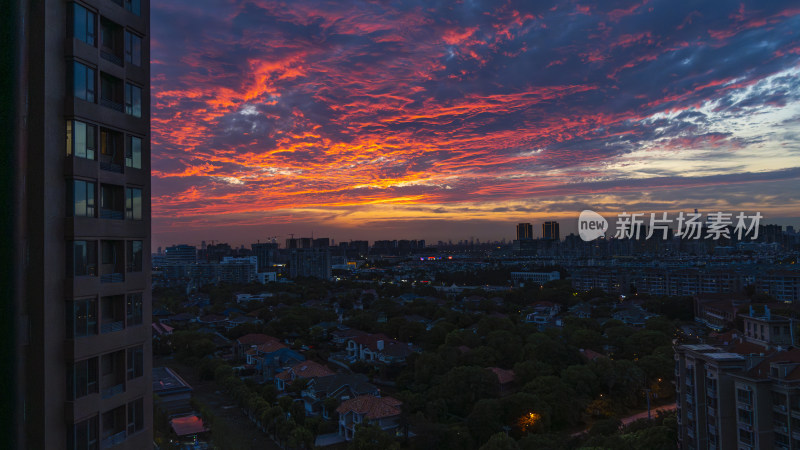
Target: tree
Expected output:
[301,437]
[462,386]
[500,441]
[371,437]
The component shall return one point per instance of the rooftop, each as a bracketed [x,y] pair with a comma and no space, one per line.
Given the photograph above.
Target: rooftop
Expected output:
[371,407]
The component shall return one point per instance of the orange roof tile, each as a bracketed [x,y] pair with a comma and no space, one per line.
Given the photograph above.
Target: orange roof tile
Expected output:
[372,407]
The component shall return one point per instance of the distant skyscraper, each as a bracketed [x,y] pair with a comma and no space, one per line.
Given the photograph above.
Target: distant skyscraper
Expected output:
[550,231]
[84,300]
[524,231]
[181,254]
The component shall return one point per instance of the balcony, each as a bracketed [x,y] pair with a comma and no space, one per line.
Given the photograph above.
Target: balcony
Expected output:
[109,164]
[109,56]
[712,411]
[711,392]
[111,327]
[108,103]
[712,429]
[779,408]
[113,390]
[114,439]
[112,278]
[111,214]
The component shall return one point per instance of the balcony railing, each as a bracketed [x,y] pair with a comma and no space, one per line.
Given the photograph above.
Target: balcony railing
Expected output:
[112,104]
[109,56]
[114,439]
[111,214]
[109,166]
[114,390]
[112,278]
[110,327]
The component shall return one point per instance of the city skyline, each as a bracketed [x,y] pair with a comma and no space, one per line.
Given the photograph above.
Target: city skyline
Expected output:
[376,117]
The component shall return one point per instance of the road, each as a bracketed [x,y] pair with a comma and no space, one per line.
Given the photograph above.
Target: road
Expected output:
[633,418]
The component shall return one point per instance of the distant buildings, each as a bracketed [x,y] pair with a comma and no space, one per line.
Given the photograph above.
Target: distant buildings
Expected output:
[524,231]
[550,231]
[520,278]
[181,254]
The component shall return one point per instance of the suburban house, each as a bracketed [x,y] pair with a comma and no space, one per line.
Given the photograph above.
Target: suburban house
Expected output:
[368,409]
[505,379]
[543,313]
[270,356]
[340,337]
[581,310]
[632,314]
[338,387]
[378,348]
[247,341]
[301,370]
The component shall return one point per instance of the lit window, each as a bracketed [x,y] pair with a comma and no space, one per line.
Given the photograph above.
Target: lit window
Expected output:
[134,309]
[82,318]
[81,139]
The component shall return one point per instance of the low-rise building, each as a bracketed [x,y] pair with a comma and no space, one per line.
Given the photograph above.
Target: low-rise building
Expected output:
[368,410]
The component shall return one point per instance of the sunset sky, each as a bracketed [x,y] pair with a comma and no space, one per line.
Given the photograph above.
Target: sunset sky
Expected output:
[451,119]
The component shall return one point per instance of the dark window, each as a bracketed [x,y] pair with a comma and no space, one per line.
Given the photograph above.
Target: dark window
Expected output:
[82,379]
[112,268]
[134,309]
[81,201]
[112,151]
[135,416]
[135,362]
[111,202]
[82,318]
[83,82]
[111,41]
[133,100]
[82,259]
[133,6]
[133,154]
[112,316]
[133,204]
[83,24]
[111,95]
[84,435]
[135,253]
[81,139]
[133,49]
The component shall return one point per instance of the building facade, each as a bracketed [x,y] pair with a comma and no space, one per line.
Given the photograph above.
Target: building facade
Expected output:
[84,303]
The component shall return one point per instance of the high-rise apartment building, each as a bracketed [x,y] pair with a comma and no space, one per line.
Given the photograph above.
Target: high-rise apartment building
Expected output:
[550,231]
[524,231]
[83,304]
[741,395]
